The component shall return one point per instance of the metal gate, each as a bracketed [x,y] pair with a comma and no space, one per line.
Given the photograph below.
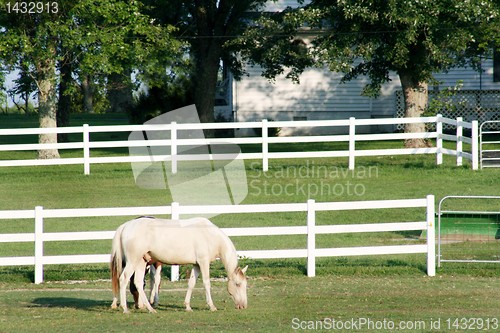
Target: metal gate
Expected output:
[468,234]
[489,144]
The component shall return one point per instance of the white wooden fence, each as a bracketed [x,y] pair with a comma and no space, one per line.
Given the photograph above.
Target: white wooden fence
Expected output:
[352,125]
[39,237]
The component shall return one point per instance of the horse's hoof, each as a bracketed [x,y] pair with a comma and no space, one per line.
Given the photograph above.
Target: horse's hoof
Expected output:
[189,309]
[152,311]
[213,309]
[126,311]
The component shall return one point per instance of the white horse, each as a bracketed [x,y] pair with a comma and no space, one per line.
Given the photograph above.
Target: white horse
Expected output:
[194,241]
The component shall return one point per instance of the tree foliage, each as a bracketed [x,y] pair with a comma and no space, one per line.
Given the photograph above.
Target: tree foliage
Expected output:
[207,26]
[101,37]
[275,41]
[414,38]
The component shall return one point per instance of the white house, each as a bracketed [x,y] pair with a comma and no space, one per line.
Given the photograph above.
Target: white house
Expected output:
[320,95]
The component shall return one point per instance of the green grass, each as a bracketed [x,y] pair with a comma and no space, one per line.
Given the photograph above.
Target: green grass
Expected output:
[383,287]
[275,304]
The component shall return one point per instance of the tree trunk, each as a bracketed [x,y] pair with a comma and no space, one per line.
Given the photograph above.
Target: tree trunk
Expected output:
[208,52]
[120,92]
[88,91]
[47,108]
[205,86]
[27,103]
[64,102]
[415,97]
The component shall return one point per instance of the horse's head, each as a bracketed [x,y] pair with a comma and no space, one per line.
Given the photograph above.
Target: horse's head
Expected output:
[237,287]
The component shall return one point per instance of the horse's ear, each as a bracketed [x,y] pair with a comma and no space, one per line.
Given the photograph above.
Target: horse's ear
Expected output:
[244,270]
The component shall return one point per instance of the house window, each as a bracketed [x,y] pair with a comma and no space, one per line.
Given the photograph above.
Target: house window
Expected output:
[496,65]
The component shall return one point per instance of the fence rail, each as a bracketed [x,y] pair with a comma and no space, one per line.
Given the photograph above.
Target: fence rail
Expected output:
[310,229]
[351,125]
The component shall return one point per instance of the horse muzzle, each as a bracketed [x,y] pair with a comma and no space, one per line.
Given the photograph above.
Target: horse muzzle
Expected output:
[241,306]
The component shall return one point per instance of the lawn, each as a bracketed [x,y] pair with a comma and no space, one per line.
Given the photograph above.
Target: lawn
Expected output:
[411,302]
[391,288]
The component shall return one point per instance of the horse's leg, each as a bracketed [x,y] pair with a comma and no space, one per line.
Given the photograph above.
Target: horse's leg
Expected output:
[155,276]
[138,301]
[135,294]
[114,305]
[205,274]
[124,278]
[192,282]
[139,284]
[116,294]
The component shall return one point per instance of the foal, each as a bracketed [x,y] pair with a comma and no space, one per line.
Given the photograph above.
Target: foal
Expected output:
[154,269]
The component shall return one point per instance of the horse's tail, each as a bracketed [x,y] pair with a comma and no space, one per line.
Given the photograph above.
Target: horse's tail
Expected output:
[116,260]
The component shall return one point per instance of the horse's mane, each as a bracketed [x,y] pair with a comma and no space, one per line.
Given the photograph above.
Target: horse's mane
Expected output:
[228,254]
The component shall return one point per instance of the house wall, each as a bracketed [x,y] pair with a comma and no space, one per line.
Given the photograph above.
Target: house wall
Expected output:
[320,95]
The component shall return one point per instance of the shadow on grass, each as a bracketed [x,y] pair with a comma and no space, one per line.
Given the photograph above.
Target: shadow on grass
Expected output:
[93,305]
[71,302]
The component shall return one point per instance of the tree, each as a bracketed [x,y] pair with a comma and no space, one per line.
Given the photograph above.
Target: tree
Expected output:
[120,87]
[135,43]
[165,92]
[374,37]
[24,86]
[3,91]
[30,44]
[208,26]
[102,34]
[64,98]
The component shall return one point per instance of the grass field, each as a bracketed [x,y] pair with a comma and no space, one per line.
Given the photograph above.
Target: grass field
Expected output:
[281,298]
[277,304]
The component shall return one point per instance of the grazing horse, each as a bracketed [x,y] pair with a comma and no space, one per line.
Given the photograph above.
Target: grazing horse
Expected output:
[194,241]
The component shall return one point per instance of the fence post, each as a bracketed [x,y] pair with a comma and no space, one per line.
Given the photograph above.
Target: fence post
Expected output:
[38,244]
[311,238]
[431,237]
[439,139]
[352,142]
[475,145]
[173,146]
[174,269]
[460,133]
[265,146]
[86,149]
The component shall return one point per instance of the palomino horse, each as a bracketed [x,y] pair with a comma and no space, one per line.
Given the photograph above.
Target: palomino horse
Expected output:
[194,241]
